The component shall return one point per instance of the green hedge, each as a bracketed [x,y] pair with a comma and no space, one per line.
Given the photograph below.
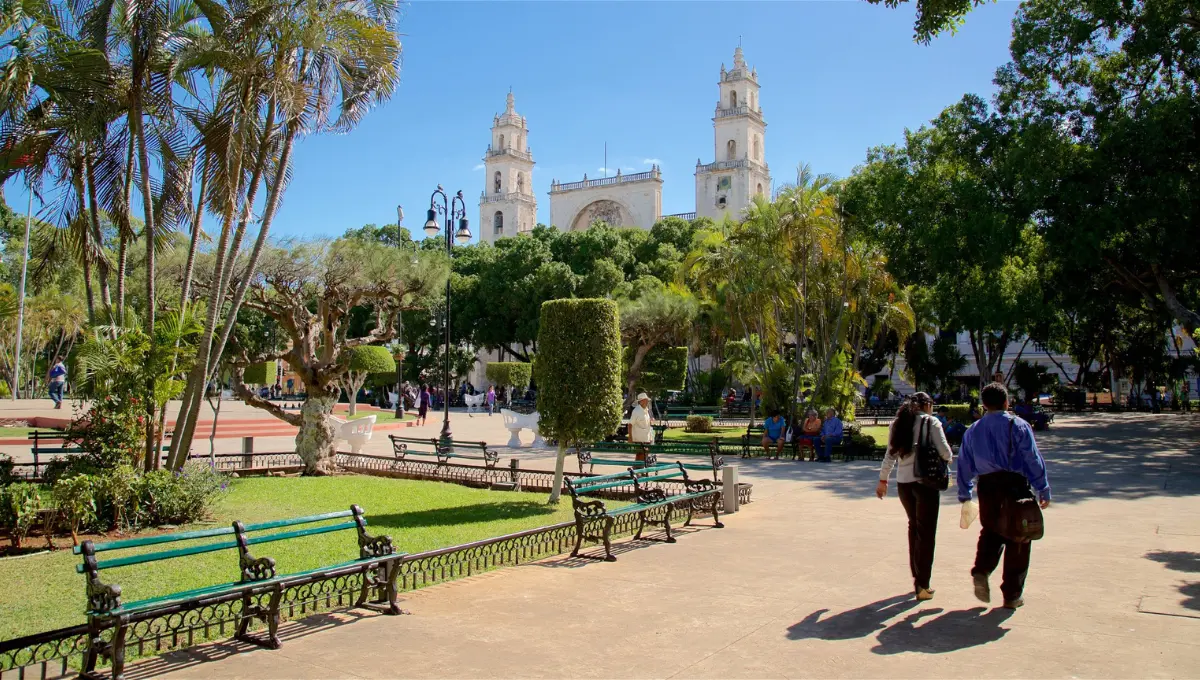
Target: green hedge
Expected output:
[510,373]
[579,370]
[371,359]
[959,412]
[260,374]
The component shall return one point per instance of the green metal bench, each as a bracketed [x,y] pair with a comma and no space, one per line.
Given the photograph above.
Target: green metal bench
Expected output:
[377,562]
[402,447]
[652,504]
[752,441]
[586,457]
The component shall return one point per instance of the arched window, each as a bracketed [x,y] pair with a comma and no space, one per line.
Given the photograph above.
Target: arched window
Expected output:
[757,148]
[496,183]
[733,99]
[751,101]
[498,223]
[731,150]
[760,189]
[521,143]
[520,182]
[501,141]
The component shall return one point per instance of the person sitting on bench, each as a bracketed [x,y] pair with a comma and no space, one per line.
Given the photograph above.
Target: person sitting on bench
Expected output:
[811,431]
[773,429]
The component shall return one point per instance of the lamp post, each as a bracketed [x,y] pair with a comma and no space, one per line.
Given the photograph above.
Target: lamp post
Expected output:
[447,208]
[399,331]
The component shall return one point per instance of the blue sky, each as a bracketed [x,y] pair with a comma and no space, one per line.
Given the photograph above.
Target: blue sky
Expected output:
[836,77]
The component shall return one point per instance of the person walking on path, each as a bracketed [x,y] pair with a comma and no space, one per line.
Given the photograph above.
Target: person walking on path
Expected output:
[423,401]
[1000,450]
[831,435]
[920,501]
[640,431]
[57,380]
[491,399]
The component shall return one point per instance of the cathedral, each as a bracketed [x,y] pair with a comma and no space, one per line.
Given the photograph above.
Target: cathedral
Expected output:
[508,207]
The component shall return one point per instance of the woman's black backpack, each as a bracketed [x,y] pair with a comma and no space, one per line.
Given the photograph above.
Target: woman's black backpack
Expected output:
[929,467]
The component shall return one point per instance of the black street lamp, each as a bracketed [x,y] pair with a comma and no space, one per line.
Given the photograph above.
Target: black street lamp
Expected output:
[399,332]
[451,214]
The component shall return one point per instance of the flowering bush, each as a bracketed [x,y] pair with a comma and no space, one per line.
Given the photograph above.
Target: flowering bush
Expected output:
[112,431]
[19,505]
[167,497]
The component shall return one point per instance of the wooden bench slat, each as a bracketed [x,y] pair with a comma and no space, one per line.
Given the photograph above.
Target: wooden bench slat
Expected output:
[156,556]
[155,540]
[275,524]
[313,531]
[601,487]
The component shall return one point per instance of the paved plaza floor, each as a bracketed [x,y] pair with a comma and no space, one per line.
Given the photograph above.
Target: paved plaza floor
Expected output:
[811,580]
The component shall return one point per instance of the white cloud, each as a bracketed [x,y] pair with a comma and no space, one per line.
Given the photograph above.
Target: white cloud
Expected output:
[628,169]
[478,167]
[651,161]
[603,169]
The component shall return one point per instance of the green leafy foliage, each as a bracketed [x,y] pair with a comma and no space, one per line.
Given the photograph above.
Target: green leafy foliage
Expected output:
[260,374]
[112,432]
[663,369]
[579,370]
[1033,379]
[19,505]
[516,374]
[370,359]
[698,424]
[75,499]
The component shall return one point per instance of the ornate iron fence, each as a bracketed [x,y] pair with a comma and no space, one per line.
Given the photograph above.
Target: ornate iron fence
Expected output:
[56,653]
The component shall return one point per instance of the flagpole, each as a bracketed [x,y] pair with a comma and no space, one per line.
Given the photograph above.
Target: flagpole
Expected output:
[21,298]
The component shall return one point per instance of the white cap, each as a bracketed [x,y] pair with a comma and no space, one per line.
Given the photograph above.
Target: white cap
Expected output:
[642,396]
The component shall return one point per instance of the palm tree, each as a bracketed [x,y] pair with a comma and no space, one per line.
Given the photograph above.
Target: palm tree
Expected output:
[328,63]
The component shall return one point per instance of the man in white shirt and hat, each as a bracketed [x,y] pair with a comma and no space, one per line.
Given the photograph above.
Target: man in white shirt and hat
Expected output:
[640,431]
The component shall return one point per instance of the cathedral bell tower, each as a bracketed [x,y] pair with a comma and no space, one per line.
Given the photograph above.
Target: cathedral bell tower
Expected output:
[739,171]
[507,206]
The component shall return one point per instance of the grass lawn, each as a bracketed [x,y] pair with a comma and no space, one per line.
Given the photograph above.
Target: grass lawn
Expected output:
[43,592]
[731,434]
[18,431]
[734,434]
[381,416]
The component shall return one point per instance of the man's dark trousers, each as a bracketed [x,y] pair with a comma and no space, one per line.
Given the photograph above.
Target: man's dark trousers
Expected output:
[921,504]
[992,489]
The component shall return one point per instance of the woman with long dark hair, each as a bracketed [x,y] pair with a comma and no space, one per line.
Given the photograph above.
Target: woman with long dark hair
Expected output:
[913,421]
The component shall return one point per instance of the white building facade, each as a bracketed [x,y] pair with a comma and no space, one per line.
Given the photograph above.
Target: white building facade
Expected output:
[507,206]
[738,171]
[622,200]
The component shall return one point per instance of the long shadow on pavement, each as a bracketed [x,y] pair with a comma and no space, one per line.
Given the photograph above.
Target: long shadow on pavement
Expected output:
[949,632]
[1187,562]
[852,623]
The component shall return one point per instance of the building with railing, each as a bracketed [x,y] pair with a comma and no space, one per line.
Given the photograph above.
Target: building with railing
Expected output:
[507,206]
[621,200]
[739,171]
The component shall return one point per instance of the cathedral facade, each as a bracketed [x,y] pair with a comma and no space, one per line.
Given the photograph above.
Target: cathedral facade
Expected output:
[726,186]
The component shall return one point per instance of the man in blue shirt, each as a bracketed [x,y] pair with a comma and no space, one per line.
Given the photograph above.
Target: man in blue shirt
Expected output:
[831,435]
[773,434]
[1000,450]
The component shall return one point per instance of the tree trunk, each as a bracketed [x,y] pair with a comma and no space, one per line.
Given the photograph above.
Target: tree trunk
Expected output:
[1187,318]
[102,264]
[149,233]
[635,372]
[125,233]
[315,443]
[559,461]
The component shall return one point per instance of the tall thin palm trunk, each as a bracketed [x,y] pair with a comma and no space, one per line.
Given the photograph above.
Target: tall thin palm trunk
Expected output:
[149,234]
[102,262]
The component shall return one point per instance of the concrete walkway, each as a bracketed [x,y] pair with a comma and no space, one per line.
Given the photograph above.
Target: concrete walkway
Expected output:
[811,580]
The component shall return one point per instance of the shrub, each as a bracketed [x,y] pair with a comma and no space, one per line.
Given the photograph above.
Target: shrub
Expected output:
[260,374]
[166,497]
[19,505]
[698,424]
[6,470]
[856,439]
[362,361]
[579,374]
[959,412]
[112,432]
[75,499]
